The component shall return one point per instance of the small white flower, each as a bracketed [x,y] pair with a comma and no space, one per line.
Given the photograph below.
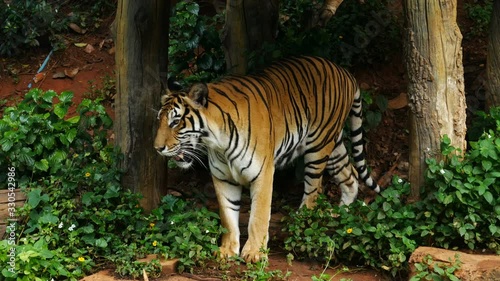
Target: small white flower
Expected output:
[206,231]
[363,204]
[489,136]
[442,171]
[172,222]
[400,180]
[72,227]
[61,225]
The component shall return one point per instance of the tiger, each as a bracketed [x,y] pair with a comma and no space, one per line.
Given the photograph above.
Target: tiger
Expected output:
[251,125]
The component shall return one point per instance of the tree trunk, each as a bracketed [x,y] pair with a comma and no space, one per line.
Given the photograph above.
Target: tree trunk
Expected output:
[249,23]
[141,44]
[493,62]
[234,39]
[436,82]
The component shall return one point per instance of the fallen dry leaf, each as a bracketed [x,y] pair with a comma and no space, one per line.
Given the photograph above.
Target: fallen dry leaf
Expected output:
[71,72]
[80,45]
[39,77]
[111,51]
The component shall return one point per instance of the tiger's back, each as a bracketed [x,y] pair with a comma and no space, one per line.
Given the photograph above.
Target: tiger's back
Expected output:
[287,104]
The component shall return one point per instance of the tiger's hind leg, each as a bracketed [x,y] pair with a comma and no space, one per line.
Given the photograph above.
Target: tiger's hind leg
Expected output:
[344,174]
[315,164]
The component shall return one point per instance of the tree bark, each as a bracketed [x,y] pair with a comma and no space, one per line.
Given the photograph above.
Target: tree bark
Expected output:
[493,60]
[249,23]
[141,44]
[234,39]
[433,55]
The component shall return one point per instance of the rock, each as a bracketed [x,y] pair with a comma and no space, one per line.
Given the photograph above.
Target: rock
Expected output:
[89,49]
[473,267]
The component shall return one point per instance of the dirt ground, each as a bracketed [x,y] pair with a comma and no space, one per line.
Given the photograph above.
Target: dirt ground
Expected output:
[387,147]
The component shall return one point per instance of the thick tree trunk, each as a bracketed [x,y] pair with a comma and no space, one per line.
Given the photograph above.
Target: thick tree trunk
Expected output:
[249,23]
[493,63]
[141,44]
[436,82]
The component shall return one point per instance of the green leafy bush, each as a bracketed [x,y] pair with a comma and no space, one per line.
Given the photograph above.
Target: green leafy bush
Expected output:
[459,209]
[25,22]
[480,13]
[380,235]
[77,216]
[181,230]
[195,51]
[465,206]
[39,139]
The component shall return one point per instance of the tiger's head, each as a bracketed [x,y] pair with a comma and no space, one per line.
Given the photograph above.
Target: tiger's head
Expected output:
[181,125]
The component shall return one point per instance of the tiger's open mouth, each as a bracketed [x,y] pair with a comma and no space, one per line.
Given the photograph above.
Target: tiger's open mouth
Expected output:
[183,160]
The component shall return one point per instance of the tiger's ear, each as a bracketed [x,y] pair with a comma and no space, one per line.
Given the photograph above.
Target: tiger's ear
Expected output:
[165,97]
[199,94]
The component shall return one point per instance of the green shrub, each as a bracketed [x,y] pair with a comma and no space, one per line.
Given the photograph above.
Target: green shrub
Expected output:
[77,216]
[195,51]
[480,13]
[464,206]
[25,22]
[459,209]
[380,235]
[40,139]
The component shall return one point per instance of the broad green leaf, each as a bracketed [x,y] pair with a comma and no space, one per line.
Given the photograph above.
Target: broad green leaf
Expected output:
[74,119]
[7,144]
[493,229]
[27,255]
[47,140]
[60,110]
[308,232]
[42,165]
[486,165]
[57,157]
[48,218]
[101,243]
[49,96]
[65,97]
[25,158]
[71,135]
[488,196]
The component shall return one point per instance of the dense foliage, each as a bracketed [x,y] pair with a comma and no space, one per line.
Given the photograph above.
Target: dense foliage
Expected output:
[77,216]
[460,209]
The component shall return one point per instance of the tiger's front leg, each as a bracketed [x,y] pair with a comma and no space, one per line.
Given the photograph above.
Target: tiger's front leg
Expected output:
[261,191]
[229,198]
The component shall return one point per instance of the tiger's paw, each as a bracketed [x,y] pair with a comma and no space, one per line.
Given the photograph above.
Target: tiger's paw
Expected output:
[252,253]
[225,252]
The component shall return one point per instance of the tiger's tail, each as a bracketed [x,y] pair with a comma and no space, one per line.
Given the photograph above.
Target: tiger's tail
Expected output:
[358,143]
